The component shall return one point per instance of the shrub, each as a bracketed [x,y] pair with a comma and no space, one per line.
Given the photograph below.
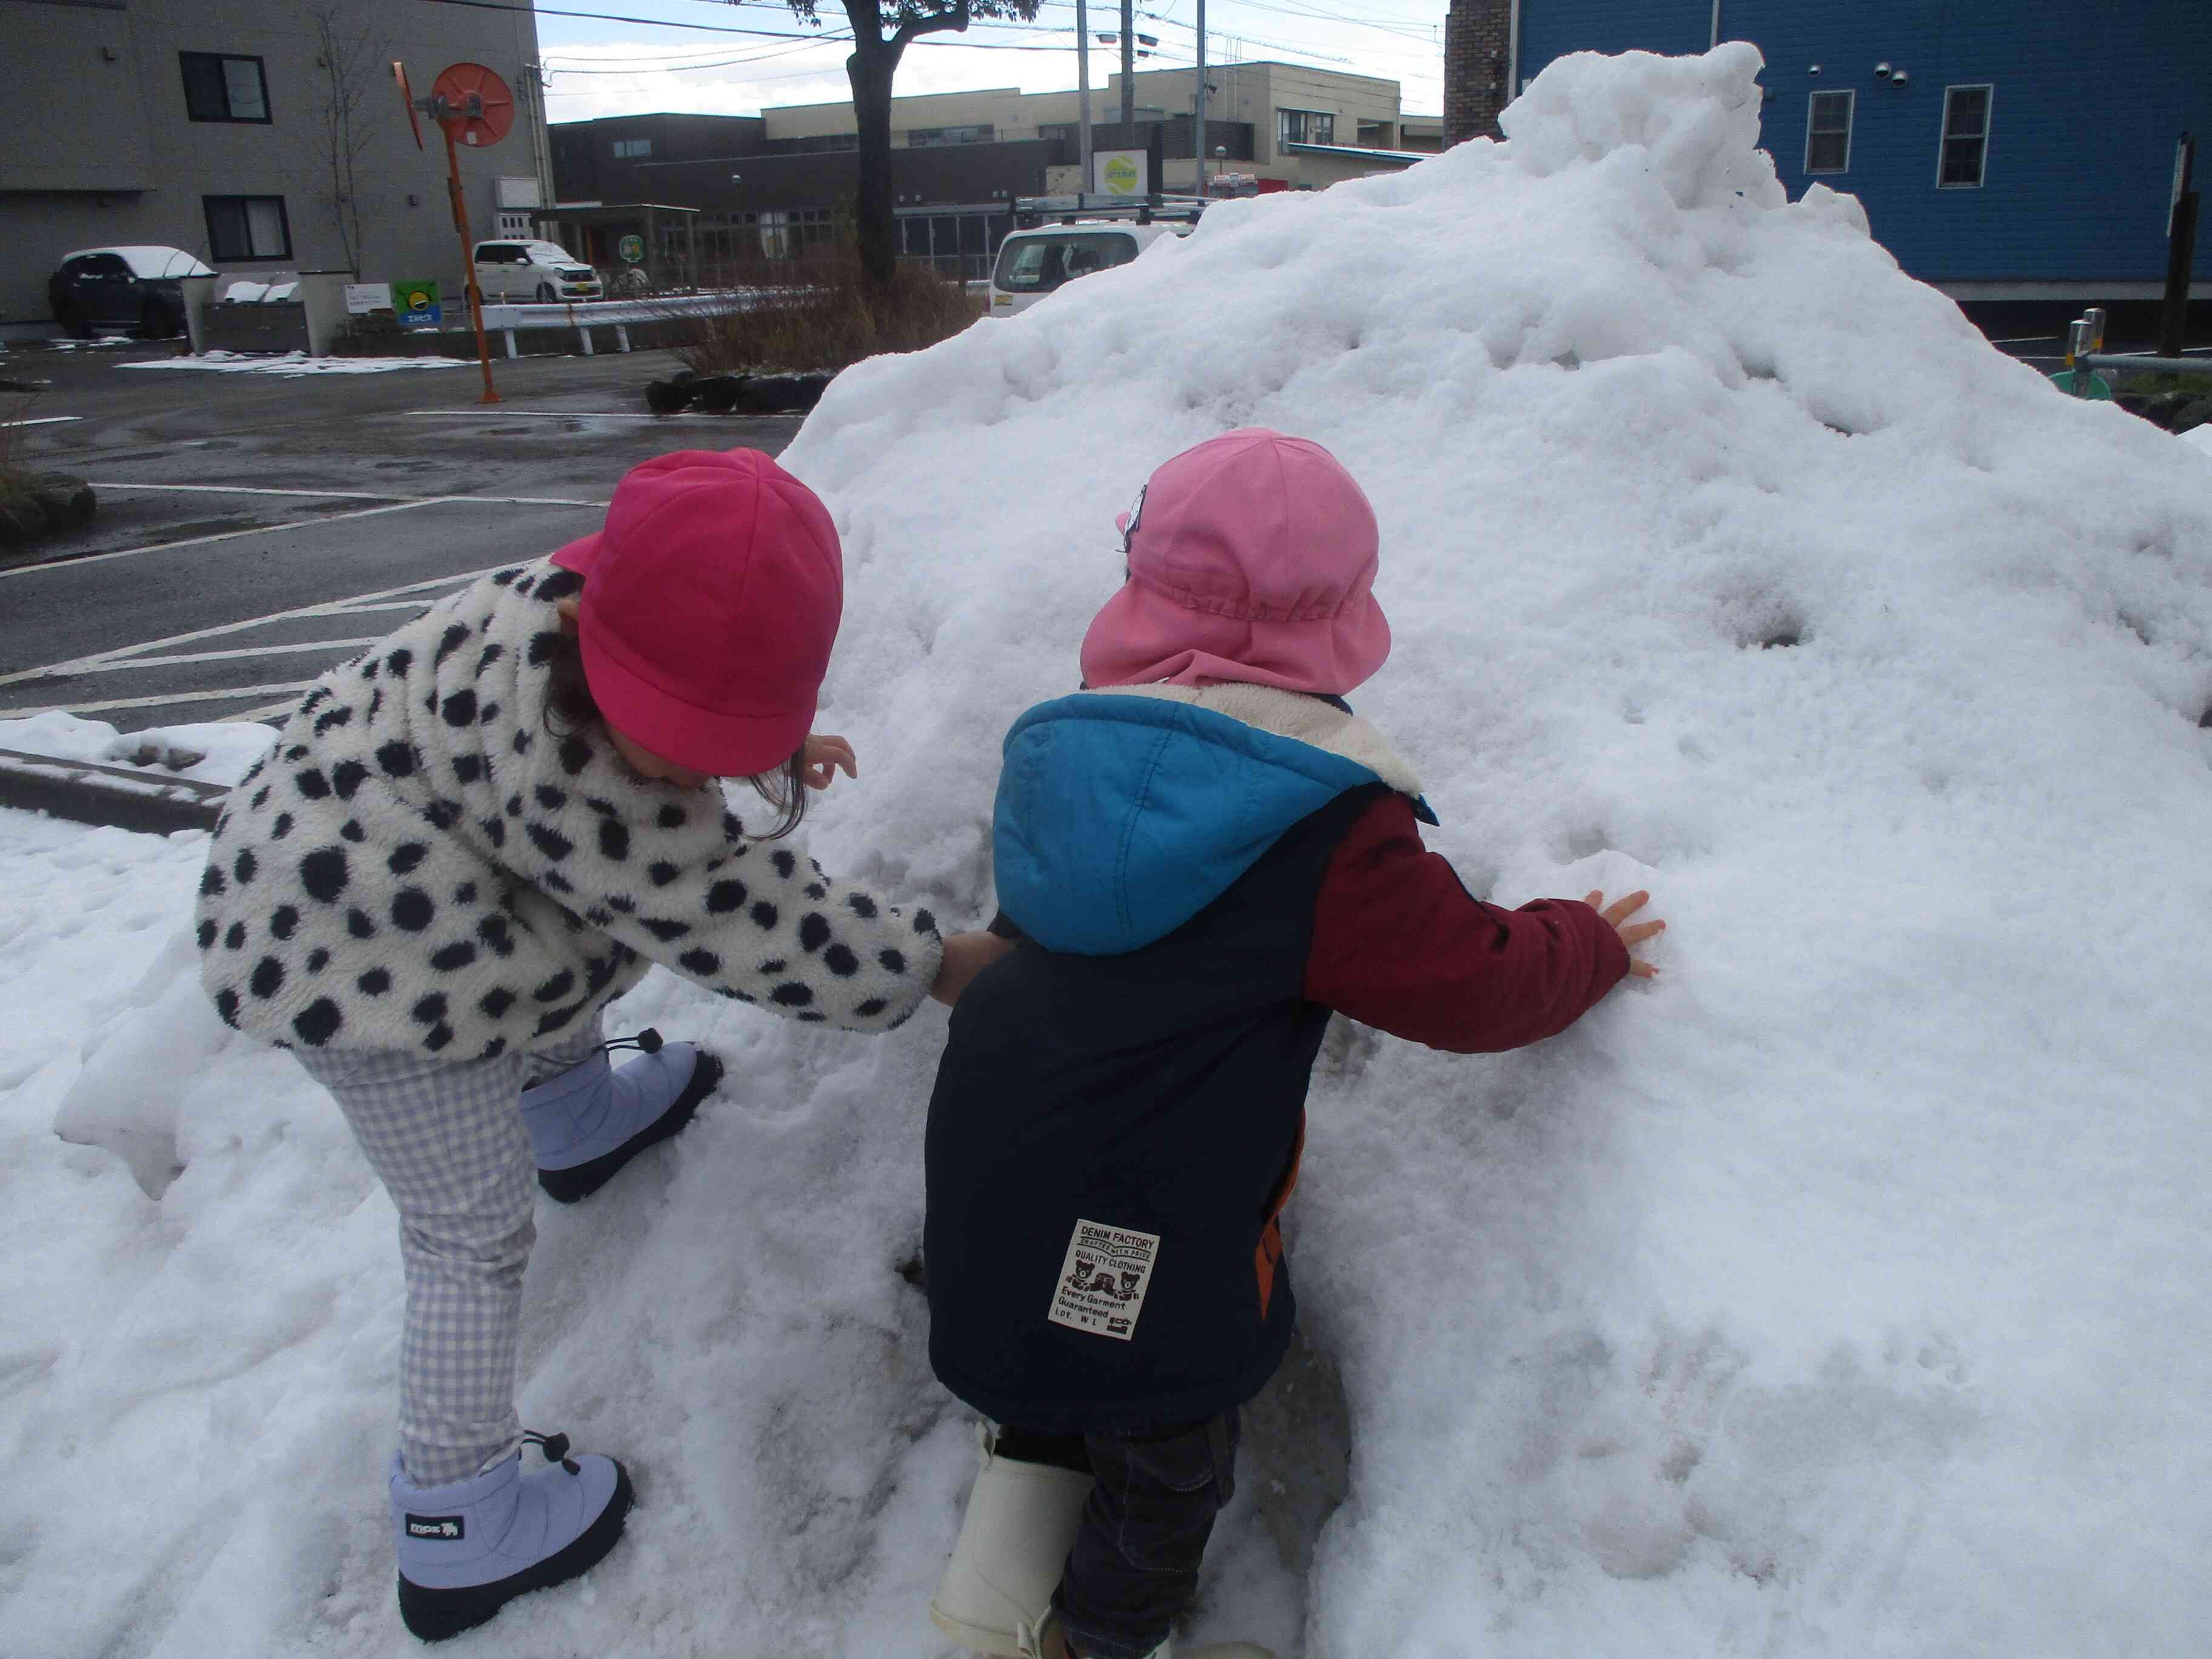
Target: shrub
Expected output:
[827,317]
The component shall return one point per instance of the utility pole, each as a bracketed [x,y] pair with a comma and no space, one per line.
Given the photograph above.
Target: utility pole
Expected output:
[1083,92]
[1198,123]
[1129,76]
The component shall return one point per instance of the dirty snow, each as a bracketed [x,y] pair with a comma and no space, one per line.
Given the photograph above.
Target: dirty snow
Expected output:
[207,751]
[295,363]
[1841,1292]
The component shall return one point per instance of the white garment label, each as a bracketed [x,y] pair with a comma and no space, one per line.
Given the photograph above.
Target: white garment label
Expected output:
[1103,1281]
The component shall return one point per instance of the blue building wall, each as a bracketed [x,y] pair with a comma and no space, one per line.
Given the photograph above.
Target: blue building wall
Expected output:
[2087,100]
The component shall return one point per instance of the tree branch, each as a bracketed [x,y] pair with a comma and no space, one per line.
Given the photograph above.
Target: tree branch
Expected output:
[914,27]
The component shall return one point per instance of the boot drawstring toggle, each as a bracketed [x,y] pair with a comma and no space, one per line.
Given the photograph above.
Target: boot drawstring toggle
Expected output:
[648,1041]
[554,1446]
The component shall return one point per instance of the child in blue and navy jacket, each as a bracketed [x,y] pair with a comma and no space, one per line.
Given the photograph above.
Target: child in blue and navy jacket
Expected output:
[1203,854]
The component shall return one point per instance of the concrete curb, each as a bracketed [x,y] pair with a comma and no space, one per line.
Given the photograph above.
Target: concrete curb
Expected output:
[86,792]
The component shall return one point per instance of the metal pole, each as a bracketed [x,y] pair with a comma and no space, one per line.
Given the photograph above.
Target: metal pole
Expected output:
[2077,353]
[2180,250]
[1083,92]
[468,260]
[1197,136]
[1129,76]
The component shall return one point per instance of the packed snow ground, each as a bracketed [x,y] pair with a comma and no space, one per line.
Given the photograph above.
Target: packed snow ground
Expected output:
[1840,1293]
[294,364]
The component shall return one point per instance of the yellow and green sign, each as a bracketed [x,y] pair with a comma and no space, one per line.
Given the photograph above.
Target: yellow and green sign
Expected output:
[632,249]
[417,304]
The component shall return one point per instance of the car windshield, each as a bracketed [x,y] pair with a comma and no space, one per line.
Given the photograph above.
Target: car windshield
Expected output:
[551,253]
[1038,264]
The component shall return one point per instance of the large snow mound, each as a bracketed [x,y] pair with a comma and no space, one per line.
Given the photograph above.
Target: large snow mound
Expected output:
[1839,1292]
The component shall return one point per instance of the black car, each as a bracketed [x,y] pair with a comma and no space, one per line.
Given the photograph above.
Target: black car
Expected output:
[123,288]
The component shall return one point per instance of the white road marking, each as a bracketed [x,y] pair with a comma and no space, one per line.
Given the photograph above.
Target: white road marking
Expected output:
[150,703]
[583,414]
[44,420]
[346,496]
[227,656]
[399,505]
[118,656]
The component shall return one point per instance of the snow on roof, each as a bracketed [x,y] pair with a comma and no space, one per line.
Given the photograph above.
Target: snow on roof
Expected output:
[1835,1293]
[150,262]
[1360,152]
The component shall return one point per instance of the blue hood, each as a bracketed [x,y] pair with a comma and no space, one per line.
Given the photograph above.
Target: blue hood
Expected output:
[1119,818]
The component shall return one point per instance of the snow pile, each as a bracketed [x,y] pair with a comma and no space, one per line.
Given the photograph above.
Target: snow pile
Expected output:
[207,751]
[1839,1292]
[291,364]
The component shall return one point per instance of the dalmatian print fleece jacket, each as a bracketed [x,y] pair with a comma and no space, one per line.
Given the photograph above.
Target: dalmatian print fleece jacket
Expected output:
[419,864]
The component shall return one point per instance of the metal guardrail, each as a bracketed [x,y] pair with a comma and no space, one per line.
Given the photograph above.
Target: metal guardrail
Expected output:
[618,315]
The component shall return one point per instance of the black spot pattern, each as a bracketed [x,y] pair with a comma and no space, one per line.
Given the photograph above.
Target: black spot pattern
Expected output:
[268,978]
[406,856]
[560,584]
[207,932]
[346,777]
[455,636]
[791,994]
[493,930]
[705,964]
[576,756]
[614,840]
[892,961]
[398,661]
[318,1022]
[283,920]
[660,872]
[323,873]
[861,906]
[871,1008]
[669,817]
[467,769]
[351,830]
[764,914]
[411,910]
[396,758]
[454,958]
[666,931]
[725,896]
[329,718]
[495,1002]
[226,1004]
[813,932]
[924,922]
[233,937]
[545,645]
[375,982]
[243,867]
[282,827]
[786,864]
[460,708]
[555,987]
[840,961]
[550,841]
[359,925]
[549,797]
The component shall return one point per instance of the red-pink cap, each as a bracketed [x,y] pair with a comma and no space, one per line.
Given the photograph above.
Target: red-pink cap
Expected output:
[711,599]
[1251,556]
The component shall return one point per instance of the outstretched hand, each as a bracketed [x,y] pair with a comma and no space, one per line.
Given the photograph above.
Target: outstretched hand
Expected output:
[966,955]
[1632,934]
[823,757]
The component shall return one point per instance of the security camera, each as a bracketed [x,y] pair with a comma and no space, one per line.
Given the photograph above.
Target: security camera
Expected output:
[1881,71]
[1815,69]
[1899,77]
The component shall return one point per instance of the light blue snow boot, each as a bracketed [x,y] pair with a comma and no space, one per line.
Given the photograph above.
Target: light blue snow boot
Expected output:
[591,1120]
[469,1548]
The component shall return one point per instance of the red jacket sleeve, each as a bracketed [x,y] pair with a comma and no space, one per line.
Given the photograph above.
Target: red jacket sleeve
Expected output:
[1399,944]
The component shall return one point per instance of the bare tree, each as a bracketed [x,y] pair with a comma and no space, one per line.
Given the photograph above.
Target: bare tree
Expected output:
[882,31]
[348,58]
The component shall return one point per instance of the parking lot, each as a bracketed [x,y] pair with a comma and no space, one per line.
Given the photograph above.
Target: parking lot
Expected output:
[253,530]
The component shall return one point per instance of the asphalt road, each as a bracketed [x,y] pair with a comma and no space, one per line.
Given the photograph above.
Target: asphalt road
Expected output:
[254,530]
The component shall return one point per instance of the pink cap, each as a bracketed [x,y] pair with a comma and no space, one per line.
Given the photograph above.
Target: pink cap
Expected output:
[1251,558]
[711,599]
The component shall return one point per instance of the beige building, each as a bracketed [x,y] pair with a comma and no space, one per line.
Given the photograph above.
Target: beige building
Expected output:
[1310,127]
[200,124]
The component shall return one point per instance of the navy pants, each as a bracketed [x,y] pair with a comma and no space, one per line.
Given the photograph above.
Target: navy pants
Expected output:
[1135,1565]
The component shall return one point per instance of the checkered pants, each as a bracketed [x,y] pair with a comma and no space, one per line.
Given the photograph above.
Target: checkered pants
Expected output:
[448,1142]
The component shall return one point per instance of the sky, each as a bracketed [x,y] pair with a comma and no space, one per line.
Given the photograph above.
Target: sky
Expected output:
[599,66]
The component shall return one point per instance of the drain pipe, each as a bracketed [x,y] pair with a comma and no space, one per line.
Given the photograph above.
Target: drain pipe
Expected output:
[1513,54]
[1717,23]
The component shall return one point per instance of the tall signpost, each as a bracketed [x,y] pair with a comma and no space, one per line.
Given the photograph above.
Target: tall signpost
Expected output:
[1129,74]
[471,106]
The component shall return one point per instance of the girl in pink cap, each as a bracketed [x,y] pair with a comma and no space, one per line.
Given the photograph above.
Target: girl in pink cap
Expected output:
[464,845]
[1203,854]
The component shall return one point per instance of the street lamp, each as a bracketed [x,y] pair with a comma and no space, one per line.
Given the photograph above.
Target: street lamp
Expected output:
[1220,158]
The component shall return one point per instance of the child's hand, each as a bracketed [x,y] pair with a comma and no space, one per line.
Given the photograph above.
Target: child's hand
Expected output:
[1632,933]
[966,955]
[823,756]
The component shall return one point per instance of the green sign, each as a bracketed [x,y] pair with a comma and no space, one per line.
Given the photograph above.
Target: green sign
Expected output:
[415,304]
[632,249]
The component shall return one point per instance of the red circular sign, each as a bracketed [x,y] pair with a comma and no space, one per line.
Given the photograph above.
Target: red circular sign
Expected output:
[474,103]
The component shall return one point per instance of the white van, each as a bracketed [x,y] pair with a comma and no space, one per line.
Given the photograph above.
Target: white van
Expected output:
[1035,262]
[542,273]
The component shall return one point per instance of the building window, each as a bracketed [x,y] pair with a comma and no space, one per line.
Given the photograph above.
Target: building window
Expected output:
[1828,133]
[1378,135]
[1965,137]
[936,138]
[241,227]
[1304,126]
[221,88]
[628,149]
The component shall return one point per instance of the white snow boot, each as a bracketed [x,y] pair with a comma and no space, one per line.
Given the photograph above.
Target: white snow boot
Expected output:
[1013,1543]
[468,1548]
[591,1120]
[1051,1643]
